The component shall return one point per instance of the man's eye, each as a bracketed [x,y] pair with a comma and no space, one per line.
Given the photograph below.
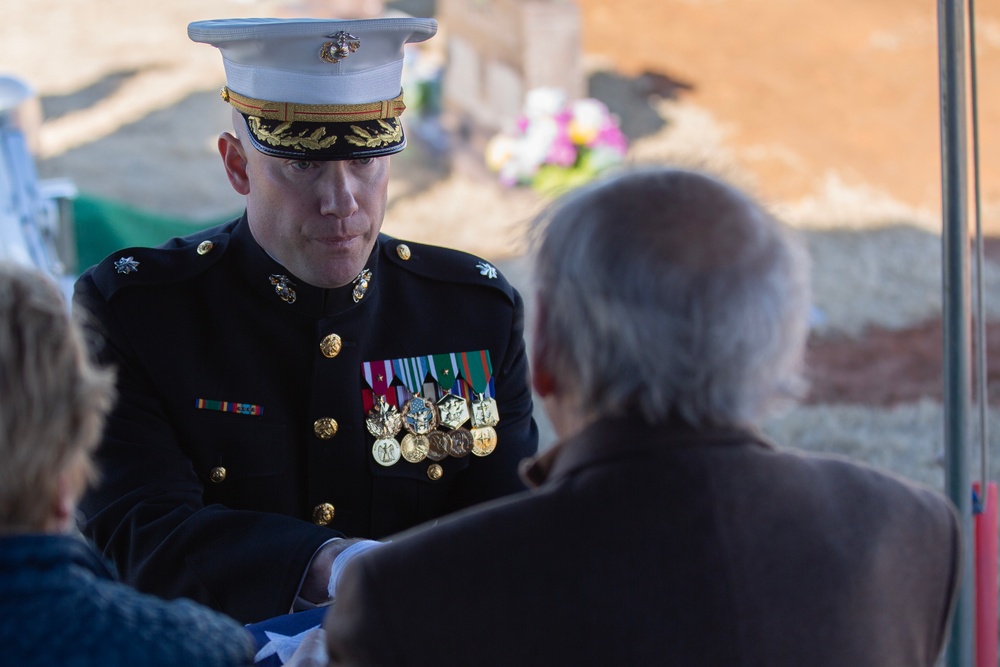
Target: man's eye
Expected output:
[301,165]
[364,160]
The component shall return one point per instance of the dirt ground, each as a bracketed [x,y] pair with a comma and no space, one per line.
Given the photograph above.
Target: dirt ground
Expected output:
[809,90]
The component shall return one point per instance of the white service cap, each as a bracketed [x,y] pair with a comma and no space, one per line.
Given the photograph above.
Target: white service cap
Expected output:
[317,89]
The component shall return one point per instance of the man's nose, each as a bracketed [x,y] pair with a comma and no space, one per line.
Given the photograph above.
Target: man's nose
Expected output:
[337,192]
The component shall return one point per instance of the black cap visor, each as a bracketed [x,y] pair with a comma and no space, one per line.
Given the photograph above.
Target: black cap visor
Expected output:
[326,141]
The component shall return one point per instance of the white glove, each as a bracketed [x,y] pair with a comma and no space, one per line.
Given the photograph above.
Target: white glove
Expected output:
[343,558]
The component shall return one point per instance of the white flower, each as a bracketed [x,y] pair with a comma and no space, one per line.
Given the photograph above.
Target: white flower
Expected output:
[500,150]
[542,102]
[588,116]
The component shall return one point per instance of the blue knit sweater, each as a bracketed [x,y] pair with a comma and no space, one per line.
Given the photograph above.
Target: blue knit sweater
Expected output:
[61,605]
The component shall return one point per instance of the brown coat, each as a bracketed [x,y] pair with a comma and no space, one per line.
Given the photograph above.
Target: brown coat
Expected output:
[663,546]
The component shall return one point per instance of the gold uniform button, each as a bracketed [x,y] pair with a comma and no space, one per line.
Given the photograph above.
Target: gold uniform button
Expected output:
[330,346]
[205,247]
[435,471]
[323,514]
[217,474]
[403,251]
[325,428]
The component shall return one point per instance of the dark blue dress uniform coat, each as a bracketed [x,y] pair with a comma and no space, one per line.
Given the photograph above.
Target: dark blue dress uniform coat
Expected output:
[218,506]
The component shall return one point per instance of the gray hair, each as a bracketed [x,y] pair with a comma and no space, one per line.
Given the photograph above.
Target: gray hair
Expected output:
[53,401]
[667,292]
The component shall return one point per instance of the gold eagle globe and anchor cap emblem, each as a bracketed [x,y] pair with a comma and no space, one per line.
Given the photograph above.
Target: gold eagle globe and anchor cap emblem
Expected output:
[344,44]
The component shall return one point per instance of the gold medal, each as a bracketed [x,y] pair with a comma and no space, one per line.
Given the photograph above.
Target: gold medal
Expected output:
[438,443]
[461,442]
[420,416]
[484,412]
[454,411]
[484,441]
[386,451]
[414,448]
[383,420]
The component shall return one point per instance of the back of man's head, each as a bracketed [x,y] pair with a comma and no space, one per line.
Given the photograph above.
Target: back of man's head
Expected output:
[669,293]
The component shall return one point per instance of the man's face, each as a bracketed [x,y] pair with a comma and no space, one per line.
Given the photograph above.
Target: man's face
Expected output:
[320,220]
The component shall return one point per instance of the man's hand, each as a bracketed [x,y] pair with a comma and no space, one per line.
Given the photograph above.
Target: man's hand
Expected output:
[311,652]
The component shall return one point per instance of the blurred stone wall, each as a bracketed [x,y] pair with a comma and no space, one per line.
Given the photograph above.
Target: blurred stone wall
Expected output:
[498,50]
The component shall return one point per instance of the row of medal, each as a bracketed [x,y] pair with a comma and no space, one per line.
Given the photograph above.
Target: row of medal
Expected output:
[401,397]
[421,419]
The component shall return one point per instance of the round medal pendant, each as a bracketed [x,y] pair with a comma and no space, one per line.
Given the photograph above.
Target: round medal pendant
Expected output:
[438,444]
[461,442]
[386,451]
[484,441]
[420,416]
[414,448]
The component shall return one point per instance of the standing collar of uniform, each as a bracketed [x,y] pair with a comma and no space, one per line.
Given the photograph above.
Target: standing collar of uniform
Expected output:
[258,267]
[617,437]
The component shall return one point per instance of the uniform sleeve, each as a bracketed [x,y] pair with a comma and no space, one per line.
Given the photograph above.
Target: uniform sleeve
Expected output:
[146,514]
[517,433]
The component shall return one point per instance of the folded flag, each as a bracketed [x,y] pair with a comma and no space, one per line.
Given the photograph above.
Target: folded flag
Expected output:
[278,637]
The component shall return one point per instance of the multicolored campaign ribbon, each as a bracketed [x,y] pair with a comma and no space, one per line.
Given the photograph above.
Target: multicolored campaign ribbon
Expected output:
[379,376]
[477,370]
[444,369]
[229,406]
[412,371]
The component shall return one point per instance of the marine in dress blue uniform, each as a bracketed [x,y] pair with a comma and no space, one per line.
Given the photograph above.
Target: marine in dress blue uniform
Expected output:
[260,415]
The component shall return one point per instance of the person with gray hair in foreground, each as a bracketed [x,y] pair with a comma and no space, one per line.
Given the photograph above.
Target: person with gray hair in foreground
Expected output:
[662,528]
[59,602]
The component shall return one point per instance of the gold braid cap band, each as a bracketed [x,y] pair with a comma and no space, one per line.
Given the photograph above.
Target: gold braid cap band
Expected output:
[315,113]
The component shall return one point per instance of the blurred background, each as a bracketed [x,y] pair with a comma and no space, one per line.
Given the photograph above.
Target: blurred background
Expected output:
[828,112]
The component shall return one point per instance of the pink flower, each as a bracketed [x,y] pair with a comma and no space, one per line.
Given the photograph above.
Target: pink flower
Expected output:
[610,136]
[562,152]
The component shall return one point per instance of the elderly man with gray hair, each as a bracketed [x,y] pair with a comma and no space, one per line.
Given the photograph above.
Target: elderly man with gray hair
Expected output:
[663,529]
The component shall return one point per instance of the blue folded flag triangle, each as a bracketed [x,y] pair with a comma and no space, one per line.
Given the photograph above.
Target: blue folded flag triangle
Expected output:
[278,637]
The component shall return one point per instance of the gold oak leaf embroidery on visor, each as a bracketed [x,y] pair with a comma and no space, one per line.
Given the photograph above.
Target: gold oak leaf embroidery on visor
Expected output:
[314,141]
[369,140]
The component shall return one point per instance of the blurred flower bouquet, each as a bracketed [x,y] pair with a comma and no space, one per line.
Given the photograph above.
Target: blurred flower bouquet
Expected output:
[556,145]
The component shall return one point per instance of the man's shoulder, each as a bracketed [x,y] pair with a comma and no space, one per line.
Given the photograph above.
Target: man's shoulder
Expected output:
[445,265]
[174,261]
[860,484]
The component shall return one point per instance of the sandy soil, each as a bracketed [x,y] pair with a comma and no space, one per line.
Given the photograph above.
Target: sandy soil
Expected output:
[809,91]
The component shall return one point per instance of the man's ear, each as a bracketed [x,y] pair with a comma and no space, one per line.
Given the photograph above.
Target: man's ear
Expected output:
[235,162]
[542,379]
